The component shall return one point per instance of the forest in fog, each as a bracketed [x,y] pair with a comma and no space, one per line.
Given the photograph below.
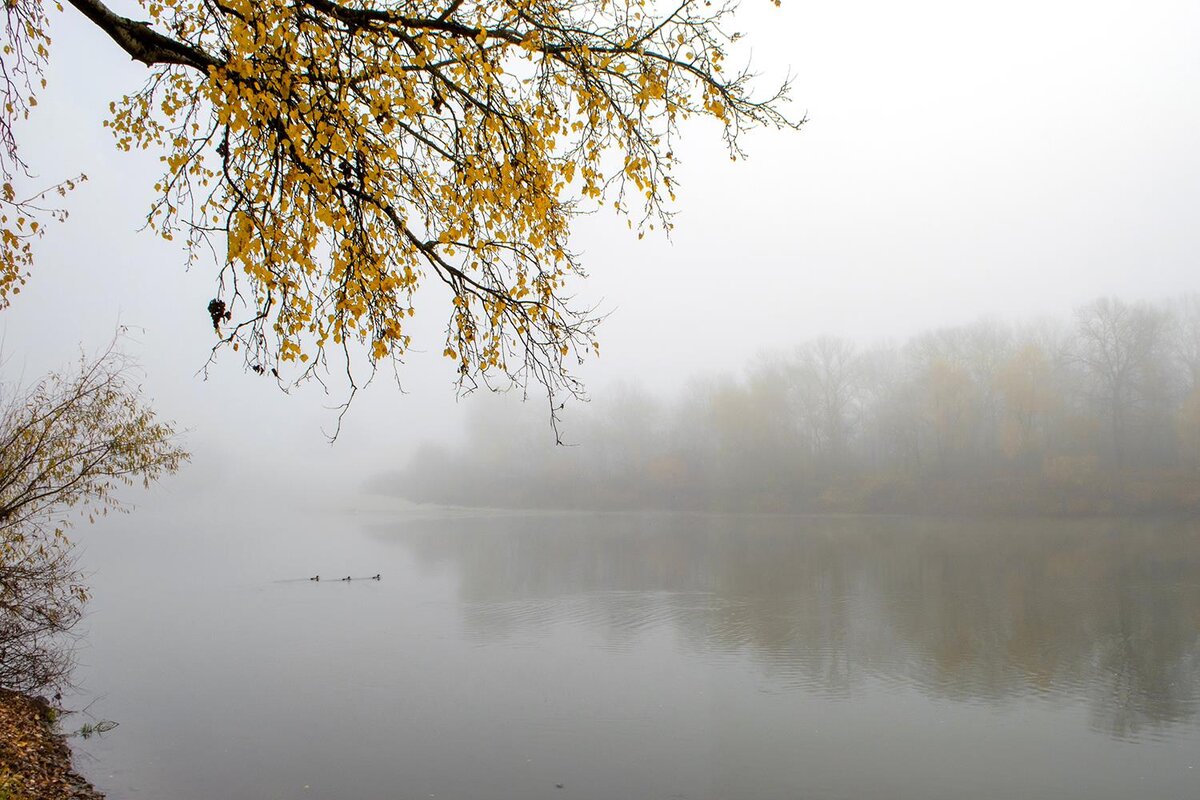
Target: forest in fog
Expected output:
[1095,413]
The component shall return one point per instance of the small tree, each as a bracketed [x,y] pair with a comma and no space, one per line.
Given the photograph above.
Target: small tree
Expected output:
[66,445]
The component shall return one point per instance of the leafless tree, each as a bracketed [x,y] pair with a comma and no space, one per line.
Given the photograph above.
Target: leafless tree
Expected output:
[1119,344]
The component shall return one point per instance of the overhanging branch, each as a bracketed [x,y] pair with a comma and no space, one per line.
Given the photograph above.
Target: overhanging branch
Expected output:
[142,42]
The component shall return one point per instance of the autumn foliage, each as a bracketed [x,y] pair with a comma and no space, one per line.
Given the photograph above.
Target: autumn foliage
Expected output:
[35,763]
[67,444]
[338,156]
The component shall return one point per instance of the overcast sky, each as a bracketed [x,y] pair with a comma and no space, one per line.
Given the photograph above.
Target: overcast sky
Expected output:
[960,160]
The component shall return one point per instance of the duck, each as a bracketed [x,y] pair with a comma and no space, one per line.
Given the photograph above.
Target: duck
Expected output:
[346,578]
[375,577]
[315,578]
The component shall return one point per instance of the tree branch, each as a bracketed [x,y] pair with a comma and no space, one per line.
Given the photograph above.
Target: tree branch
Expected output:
[143,43]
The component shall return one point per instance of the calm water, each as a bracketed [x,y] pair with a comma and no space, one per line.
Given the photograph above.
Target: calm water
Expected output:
[641,656]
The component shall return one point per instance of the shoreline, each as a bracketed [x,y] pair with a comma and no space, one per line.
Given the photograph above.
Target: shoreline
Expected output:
[1001,497]
[35,759]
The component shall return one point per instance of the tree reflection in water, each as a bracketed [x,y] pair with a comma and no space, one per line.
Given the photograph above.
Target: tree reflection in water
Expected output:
[1105,612]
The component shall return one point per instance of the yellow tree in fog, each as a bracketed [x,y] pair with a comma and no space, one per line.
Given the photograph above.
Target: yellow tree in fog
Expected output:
[1025,381]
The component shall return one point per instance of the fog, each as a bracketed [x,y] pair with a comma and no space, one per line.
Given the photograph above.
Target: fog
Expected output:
[1092,414]
[807,534]
[958,163]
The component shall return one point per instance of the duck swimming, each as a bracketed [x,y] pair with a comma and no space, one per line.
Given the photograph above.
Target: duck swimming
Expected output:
[315,578]
[375,577]
[346,578]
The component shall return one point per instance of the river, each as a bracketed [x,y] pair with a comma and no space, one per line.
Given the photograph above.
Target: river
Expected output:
[506,656]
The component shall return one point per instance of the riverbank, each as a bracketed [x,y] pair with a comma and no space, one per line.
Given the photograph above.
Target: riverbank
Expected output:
[35,761]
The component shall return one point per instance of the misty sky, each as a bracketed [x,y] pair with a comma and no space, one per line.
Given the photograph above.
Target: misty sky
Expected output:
[960,160]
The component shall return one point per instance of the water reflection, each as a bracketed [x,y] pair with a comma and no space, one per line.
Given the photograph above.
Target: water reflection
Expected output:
[1105,613]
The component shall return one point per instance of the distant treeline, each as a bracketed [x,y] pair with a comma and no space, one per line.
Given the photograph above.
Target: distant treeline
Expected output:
[1099,413]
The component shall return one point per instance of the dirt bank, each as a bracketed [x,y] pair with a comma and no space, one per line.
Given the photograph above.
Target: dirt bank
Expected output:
[35,762]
